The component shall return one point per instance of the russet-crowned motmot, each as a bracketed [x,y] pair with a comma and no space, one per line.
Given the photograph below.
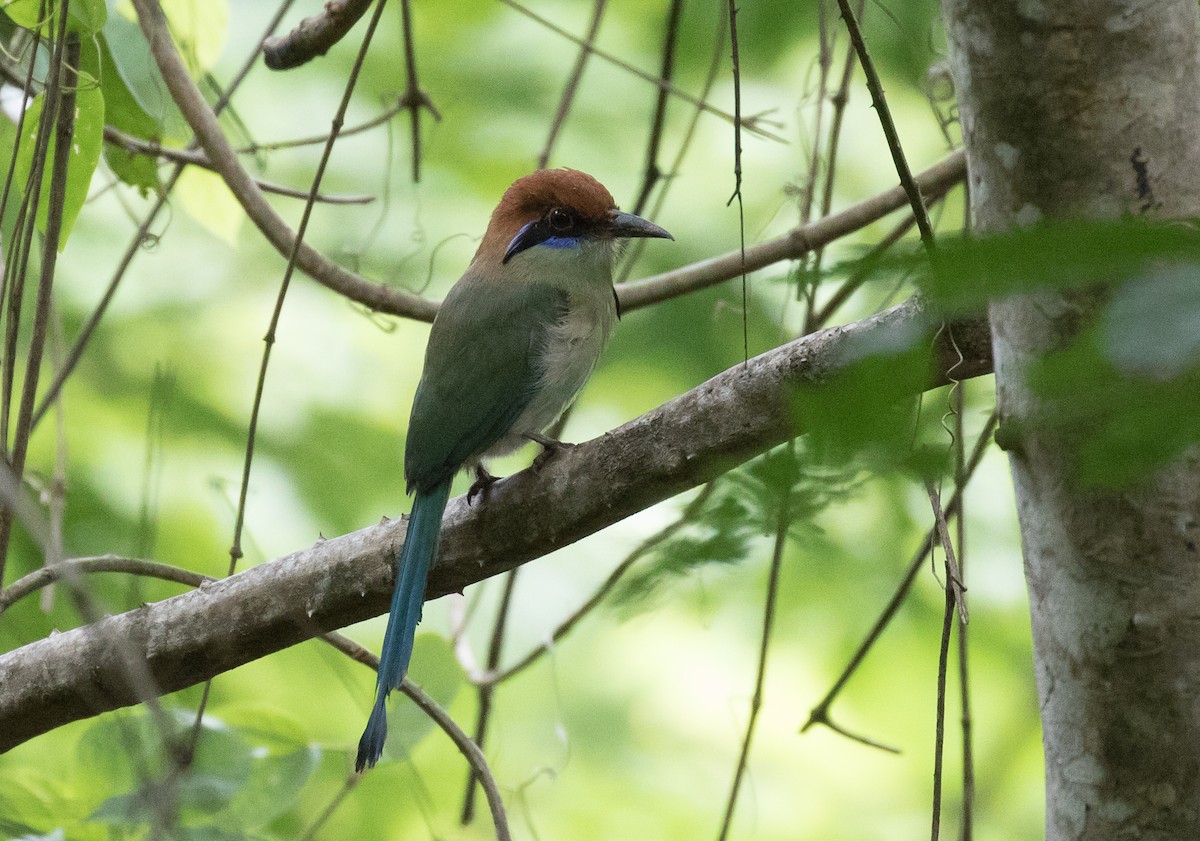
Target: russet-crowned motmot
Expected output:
[512,345]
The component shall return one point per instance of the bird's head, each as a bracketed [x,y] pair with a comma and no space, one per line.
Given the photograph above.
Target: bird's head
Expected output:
[559,209]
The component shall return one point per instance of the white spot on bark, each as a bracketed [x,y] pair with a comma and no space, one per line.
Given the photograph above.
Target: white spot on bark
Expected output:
[1084,769]
[1028,215]
[1033,10]
[1115,810]
[1124,20]
[1008,154]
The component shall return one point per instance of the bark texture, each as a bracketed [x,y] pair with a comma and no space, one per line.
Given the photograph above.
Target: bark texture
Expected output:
[1093,109]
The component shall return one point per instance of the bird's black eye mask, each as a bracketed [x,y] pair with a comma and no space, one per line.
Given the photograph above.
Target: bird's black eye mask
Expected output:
[559,227]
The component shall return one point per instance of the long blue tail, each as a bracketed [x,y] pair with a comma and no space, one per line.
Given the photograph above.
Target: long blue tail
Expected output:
[412,568]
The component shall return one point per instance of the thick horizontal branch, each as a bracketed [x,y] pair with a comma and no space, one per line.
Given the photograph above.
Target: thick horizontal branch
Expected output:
[694,438]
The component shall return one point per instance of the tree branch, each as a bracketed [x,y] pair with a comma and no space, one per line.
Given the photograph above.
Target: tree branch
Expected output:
[224,160]
[314,35]
[691,439]
[934,182]
[194,157]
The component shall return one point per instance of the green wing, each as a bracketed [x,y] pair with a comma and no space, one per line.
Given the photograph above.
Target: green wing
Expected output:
[481,368]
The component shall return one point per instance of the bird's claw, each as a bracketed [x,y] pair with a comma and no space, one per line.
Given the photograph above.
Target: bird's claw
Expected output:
[550,447]
[483,481]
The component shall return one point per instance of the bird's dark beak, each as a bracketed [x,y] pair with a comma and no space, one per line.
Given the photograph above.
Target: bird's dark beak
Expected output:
[622,225]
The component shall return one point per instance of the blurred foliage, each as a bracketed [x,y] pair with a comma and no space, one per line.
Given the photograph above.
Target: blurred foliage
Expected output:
[744,504]
[1126,386]
[639,708]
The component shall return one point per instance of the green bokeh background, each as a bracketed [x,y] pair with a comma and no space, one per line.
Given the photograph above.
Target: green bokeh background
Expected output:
[631,728]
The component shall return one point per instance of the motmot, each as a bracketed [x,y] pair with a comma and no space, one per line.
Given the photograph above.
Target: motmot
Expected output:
[512,345]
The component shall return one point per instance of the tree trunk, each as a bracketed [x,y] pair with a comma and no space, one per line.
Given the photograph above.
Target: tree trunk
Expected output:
[1092,109]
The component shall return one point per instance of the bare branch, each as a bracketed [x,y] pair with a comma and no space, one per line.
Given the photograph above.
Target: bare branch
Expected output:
[195,157]
[752,124]
[912,189]
[47,575]
[691,439]
[568,95]
[216,146]
[315,35]
[935,181]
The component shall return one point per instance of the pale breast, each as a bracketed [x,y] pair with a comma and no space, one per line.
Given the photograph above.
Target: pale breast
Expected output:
[571,348]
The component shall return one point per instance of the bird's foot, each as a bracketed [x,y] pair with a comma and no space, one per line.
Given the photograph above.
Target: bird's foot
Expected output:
[483,481]
[550,447]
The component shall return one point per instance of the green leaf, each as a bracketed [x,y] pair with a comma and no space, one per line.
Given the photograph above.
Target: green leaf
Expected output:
[130,753]
[1128,388]
[967,272]
[437,671]
[29,804]
[865,412]
[126,48]
[83,16]
[84,155]
[744,506]
[282,760]
[125,113]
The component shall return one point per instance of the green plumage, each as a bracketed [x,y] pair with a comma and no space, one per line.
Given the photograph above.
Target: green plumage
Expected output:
[482,366]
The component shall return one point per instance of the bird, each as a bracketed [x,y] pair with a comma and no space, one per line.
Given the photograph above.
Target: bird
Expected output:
[510,348]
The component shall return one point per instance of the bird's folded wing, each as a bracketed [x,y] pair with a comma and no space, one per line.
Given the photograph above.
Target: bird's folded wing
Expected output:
[481,369]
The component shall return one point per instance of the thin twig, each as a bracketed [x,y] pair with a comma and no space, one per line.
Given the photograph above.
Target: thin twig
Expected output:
[567,625]
[485,691]
[315,140]
[824,60]
[940,726]
[820,712]
[652,173]
[911,188]
[47,575]
[414,97]
[56,493]
[954,581]
[195,157]
[781,530]
[442,719]
[966,830]
[572,84]
[737,175]
[838,101]
[62,107]
[937,180]
[751,124]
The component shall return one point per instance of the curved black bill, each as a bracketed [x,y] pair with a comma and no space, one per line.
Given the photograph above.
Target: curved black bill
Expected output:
[627,225]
